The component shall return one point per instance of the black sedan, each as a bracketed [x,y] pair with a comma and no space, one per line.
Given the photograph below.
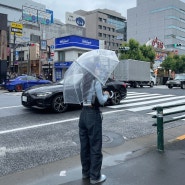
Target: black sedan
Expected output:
[51,95]
[178,81]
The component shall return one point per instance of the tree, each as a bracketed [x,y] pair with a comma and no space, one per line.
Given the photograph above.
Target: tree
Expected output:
[174,63]
[137,52]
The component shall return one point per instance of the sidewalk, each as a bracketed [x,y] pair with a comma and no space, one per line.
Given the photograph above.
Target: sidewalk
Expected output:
[135,162]
[147,166]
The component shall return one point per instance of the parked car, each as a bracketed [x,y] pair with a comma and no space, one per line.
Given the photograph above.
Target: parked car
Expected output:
[23,82]
[178,81]
[51,96]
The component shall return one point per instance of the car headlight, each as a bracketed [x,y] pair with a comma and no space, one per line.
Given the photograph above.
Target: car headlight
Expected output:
[43,94]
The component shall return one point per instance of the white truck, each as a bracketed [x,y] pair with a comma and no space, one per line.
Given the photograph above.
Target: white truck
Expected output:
[135,73]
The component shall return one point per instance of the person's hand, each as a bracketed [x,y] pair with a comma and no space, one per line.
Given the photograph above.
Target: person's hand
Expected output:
[106,92]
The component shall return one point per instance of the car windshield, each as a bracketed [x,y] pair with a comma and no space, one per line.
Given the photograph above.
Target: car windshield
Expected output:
[73,80]
[21,78]
[180,77]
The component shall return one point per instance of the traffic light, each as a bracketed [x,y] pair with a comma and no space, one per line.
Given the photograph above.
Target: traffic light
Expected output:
[124,48]
[177,45]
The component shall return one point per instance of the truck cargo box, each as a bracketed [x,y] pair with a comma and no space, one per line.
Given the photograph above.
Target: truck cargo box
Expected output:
[132,70]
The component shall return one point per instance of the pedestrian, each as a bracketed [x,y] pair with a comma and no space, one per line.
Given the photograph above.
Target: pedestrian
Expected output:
[90,129]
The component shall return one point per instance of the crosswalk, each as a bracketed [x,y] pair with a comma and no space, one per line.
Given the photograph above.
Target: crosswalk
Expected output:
[136,102]
[142,102]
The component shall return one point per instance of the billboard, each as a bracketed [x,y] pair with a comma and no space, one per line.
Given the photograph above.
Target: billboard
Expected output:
[37,16]
[74,19]
[76,41]
[29,14]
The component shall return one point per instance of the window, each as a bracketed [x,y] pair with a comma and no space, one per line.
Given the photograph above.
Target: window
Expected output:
[104,20]
[100,19]
[100,34]
[100,26]
[104,27]
[61,56]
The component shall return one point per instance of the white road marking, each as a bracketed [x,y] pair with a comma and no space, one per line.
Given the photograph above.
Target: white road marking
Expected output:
[170,110]
[10,107]
[49,123]
[146,102]
[152,106]
[145,98]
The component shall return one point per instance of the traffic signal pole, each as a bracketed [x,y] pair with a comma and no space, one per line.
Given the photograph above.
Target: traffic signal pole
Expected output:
[14,52]
[49,65]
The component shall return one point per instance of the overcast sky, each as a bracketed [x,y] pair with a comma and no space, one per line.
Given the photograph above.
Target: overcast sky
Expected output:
[59,7]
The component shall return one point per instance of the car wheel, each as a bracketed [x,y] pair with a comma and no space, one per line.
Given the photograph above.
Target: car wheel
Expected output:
[116,98]
[183,86]
[18,88]
[170,87]
[151,84]
[58,104]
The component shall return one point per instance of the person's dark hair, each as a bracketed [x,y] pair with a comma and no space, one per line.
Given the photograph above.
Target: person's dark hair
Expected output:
[86,84]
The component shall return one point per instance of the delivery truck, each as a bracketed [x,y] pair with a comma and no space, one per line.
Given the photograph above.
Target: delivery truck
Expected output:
[135,73]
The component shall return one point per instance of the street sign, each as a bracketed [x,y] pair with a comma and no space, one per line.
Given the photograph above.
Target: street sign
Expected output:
[16,28]
[52,54]
[50,59]
[16,55]
[52,47]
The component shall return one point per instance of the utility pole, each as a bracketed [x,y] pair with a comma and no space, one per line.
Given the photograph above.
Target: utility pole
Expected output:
[14,51]
[49,70]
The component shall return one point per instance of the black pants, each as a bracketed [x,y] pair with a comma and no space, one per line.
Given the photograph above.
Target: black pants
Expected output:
[90,132]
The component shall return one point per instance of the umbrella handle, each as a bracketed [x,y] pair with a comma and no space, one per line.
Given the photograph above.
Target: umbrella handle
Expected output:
[111,94]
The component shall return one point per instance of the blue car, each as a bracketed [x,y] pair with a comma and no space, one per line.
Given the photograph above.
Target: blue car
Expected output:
[21,83]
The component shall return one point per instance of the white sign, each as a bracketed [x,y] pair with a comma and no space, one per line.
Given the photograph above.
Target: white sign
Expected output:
[74,19]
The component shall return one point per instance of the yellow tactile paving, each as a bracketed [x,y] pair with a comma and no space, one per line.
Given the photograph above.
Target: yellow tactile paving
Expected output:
[181,137]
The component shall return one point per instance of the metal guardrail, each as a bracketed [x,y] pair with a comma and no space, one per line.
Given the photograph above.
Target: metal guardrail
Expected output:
[160,122]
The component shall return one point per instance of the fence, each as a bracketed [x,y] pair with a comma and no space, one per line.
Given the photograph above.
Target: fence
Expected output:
[160,122]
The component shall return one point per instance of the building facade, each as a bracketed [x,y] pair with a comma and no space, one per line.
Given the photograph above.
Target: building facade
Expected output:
[107,25]
[3,47]
[68,49]
[162,19]
[24,56]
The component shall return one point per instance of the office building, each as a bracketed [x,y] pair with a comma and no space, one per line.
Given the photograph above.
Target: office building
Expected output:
[161,19]
[107,25]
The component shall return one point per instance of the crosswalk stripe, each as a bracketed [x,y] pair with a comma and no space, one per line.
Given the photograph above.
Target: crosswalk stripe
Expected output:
[145,98]
[147,102]
[138,96]
[152,106]
[170,110]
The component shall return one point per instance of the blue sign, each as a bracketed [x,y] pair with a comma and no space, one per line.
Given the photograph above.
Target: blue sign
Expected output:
[62,64]
[80,21]
[50,12]
[76,41]
[52,47]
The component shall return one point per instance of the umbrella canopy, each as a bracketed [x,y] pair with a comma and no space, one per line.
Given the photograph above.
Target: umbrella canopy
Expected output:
[96,64]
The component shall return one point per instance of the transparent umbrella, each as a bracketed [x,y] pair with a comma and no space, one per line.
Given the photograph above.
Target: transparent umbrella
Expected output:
[96,64]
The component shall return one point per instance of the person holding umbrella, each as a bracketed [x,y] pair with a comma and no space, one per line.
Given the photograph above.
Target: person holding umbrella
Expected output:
[90,130]
[83,85]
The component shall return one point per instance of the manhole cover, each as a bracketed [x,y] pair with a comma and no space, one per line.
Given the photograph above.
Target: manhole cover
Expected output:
[110,139]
